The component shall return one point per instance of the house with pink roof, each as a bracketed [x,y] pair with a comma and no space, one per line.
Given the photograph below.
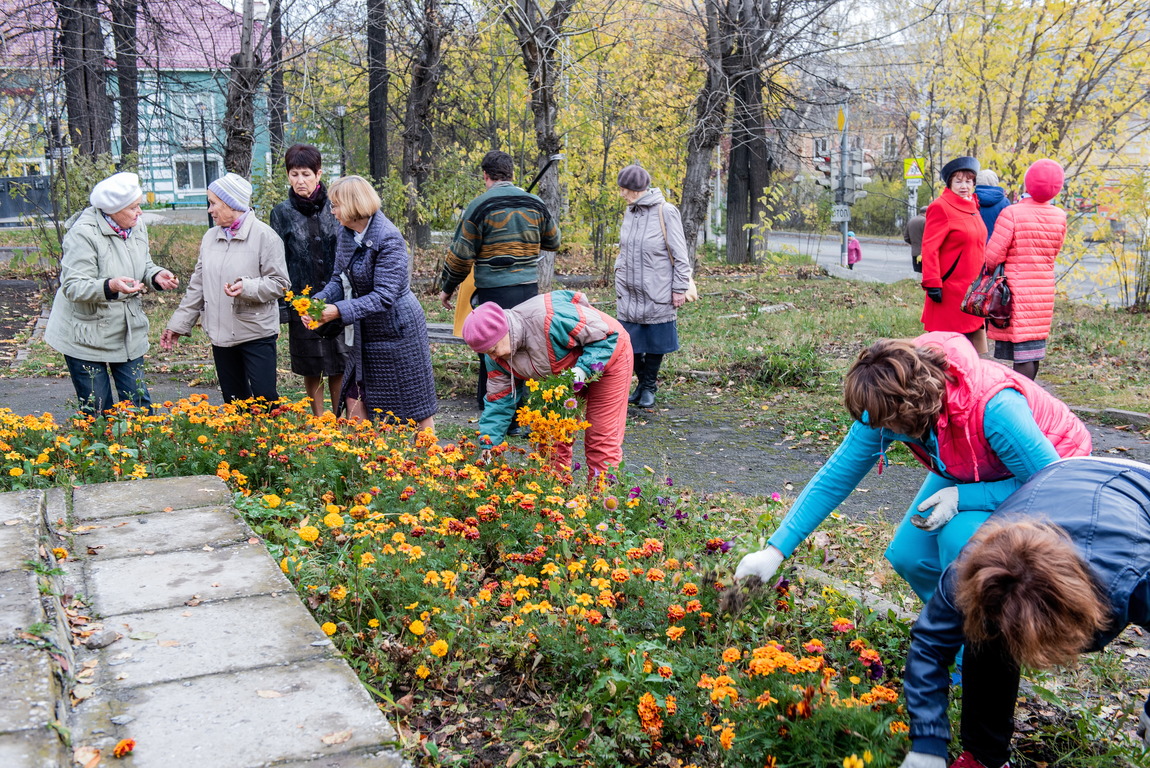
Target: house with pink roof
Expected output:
[185,47]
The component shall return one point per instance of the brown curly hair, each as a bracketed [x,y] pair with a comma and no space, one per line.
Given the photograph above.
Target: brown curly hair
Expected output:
[899,385]
[1022,582]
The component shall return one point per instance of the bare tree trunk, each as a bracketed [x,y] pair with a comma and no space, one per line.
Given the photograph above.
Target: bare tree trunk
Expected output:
[749,173]
[426,72]
[81,51]
[124,35]
[538,36]
[277,99]
[738,186]
[240,120]
[377,83]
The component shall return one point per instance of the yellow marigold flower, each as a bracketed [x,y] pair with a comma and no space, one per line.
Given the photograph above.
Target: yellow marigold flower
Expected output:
[333,520]
[16,471]
[338,592]
[398,537]
[727,738]
[271,500]
[853,762]
[373,623]
[422,671]
[439,648]
[330,508]
[60,553]
[585,599]
[202,439]
[600,566]
[855,679]
[309,533]
[328,628]
[417,628]
[550,569]
[366,559]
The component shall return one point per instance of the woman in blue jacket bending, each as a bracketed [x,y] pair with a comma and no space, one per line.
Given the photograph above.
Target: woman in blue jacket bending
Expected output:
[1060,568]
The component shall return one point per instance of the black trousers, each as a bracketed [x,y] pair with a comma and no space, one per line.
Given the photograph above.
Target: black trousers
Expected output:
[989,691]
[507,297]
[247,370]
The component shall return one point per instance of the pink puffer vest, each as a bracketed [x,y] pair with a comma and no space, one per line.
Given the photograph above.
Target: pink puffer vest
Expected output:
[972,382]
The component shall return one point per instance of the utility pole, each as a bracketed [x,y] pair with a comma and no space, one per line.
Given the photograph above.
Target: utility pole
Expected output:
[840,193]
[201,107]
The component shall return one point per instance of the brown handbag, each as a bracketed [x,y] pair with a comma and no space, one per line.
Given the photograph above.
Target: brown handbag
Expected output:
[989,297]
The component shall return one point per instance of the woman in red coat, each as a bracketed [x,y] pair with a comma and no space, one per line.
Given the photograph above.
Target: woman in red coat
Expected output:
[1027,237]
[953,251]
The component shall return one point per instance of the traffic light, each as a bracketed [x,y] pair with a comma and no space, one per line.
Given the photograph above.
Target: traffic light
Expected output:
[828,171]
[856,178]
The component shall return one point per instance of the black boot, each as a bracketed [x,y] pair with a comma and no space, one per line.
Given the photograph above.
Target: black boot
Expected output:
[640,366]
[649,384]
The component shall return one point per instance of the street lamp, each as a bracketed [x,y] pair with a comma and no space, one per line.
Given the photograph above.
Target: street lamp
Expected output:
[340,112]
[202,108]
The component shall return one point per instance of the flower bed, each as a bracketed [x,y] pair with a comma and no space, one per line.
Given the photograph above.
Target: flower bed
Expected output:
[509,616]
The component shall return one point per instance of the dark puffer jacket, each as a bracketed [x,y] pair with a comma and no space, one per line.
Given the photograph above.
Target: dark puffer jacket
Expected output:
[310,233]
[1104,506]
[390,356]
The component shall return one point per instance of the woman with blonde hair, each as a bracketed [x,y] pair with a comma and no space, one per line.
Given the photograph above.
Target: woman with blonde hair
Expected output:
[388,373]
[979,428]
[1061,568]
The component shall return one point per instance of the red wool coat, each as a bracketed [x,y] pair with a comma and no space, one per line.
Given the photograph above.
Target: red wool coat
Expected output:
[953,248]
[1031,237]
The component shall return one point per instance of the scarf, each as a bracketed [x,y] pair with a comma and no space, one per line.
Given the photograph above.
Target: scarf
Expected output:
[123,233]
[311,205]
[231,230]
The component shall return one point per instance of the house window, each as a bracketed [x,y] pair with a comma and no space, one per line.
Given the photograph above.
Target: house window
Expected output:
[190,173]
[890,145]
[822,146]
[186,114]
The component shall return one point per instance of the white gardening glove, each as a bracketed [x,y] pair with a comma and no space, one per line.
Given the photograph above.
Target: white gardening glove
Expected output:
[579,374]
[763,564]
[923,760]
[1144,727]
[945,504]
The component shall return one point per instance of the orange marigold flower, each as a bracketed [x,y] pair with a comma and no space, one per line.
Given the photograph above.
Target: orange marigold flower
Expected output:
[898,727]
[672,705]
[731,655]
[123,747]
[60,553]
[675,632]
[689,589]
[858,644]
[620,575]
[879,695]
[814,646]
[654,574]
[694,606]
[676,612]
[333,520]
[665,672]
[842,625]
[727,737]
[338,592]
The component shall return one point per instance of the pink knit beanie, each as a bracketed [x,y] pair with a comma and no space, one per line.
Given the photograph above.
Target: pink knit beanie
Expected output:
[485,326]
[1044,180]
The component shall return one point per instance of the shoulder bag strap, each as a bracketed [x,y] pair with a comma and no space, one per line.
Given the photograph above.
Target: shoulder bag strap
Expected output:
[666,242]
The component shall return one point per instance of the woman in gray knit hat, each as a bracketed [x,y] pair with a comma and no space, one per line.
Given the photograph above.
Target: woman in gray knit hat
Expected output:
[652,274]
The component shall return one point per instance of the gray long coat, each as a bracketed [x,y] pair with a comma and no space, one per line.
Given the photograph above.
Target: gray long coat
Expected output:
[645,276]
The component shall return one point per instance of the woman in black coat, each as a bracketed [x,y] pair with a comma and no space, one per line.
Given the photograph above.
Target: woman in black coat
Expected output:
[309,231]
[388,374]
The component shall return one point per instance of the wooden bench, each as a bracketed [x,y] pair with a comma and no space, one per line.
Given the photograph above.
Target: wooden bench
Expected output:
[441,333]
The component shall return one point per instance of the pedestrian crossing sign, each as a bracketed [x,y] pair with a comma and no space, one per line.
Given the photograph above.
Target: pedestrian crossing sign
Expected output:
[914,168]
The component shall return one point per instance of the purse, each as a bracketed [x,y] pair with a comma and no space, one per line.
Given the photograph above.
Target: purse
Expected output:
[989,296]
[692,292]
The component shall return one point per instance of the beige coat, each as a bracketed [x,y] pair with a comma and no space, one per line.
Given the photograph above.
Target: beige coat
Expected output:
[652,264]
[85,323]
[255,254]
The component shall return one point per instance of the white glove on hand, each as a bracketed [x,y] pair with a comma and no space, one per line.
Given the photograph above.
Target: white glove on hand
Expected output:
[945,504]
[763,564]
[923,760]
[579,374]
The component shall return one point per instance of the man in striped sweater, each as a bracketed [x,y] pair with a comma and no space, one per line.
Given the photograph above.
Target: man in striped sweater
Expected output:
[499,237]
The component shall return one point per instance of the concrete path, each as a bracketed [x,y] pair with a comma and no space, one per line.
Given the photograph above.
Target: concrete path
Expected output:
[168,624]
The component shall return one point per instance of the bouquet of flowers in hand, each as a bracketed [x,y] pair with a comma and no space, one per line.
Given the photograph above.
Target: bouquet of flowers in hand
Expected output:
[552,413]
[309,309]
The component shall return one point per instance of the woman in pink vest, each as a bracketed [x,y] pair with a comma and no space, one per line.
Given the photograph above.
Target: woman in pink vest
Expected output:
[1027,238]
[980,428]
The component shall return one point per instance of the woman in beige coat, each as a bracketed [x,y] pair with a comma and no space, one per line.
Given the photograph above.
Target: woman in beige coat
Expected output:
[97,319]
[239,278]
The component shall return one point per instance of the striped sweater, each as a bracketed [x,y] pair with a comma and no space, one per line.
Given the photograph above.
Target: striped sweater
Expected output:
[501,234]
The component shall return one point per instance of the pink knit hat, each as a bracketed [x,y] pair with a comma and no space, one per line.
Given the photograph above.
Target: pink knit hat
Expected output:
[1044,180]
[485,326]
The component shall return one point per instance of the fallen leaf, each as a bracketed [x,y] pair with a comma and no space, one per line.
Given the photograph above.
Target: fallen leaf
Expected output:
[269,694]
[253,540]
[168,643]
[142,636]
[339,737]
[209,548]
[88,757]
[167,509]
[11,522]
[121,525]
[194,601]
[403,704]
[515,757]
[81,692]
[77,529]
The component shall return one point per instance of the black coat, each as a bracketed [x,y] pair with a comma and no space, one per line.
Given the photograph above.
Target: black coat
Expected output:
[310,233]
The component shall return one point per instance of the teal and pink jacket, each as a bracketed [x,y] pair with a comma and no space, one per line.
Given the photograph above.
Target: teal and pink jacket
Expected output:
[549,333]
[996,430]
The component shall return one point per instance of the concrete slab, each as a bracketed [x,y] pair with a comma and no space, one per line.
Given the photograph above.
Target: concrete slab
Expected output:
[29,692]
[163,532]
[217,720]
[95,502]
[209,639]
[385,758]
[32,749]
[17,544]
[24,506]
[167,580]
[19,602]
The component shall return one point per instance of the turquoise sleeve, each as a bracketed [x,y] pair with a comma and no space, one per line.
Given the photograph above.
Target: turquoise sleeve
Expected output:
[597,352]
[1019,443]
[834,481]
[498,407]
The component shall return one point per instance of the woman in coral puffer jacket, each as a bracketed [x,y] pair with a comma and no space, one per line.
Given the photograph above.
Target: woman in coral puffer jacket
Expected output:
[1027,237]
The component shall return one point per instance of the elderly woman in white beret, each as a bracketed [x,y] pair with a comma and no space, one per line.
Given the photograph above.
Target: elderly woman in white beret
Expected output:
[97,319]
[234,293]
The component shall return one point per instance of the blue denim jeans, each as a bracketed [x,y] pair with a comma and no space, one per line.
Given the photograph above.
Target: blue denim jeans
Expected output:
[94,385]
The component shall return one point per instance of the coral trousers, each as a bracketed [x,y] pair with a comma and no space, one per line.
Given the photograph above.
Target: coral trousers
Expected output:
[606,409]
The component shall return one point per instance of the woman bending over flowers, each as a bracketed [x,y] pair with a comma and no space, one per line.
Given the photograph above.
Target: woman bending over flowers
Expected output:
[542,336]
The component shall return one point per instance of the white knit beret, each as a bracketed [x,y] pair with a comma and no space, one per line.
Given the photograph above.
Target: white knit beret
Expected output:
[116,192]
[234,190]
